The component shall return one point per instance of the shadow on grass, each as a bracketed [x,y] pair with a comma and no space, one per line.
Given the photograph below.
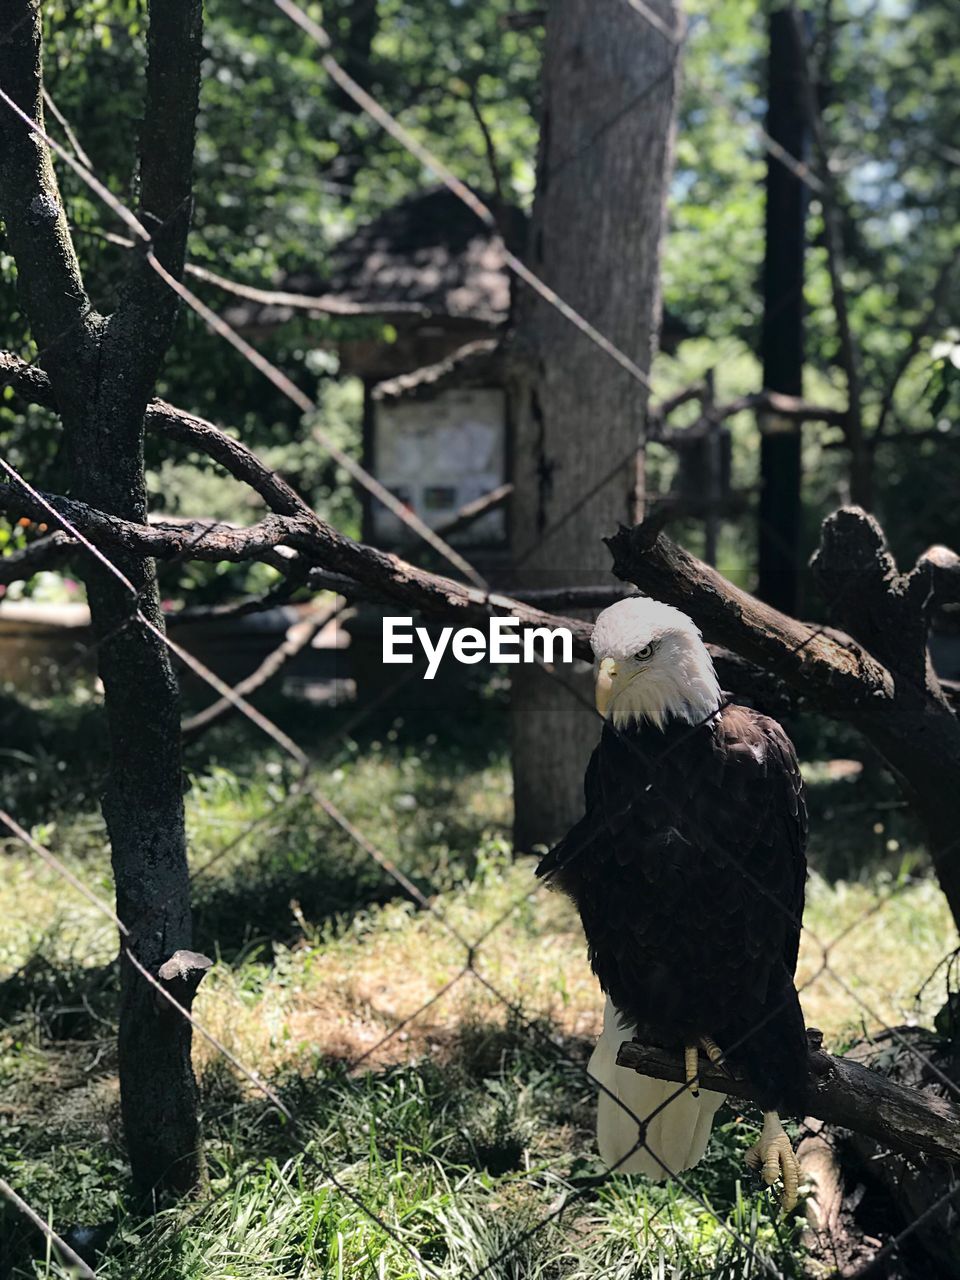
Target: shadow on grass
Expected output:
[61,1002]
[302,864]
[862,825]
[429,749]
[406,781]
[49,757]
[465,1150]
[470,716]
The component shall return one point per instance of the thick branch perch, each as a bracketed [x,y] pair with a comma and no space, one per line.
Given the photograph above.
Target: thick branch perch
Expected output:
[888,610]
[830,668]
[841,1092]
[908,720]
[187,540]
[315,539]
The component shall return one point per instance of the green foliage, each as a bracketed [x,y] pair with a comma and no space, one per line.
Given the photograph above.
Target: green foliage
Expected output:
[287,164]
[714,246]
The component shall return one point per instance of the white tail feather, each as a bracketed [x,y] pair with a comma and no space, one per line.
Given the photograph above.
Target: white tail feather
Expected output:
[677,1135]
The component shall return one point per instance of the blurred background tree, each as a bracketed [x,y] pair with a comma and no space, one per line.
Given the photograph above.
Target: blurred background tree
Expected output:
[287,167]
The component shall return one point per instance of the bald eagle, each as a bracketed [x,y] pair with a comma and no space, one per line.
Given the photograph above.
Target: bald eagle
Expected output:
[688,871]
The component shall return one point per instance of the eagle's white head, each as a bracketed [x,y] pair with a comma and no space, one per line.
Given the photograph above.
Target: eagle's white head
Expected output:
[651,664]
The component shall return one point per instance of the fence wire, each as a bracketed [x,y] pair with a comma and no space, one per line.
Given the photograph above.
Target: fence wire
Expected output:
[306,785]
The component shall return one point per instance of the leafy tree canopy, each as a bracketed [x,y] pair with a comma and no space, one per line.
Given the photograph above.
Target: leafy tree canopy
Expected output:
[287,164]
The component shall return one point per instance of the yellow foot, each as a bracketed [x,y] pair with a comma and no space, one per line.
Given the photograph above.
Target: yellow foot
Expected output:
[691,1062]
[773,1155]
[691,1069]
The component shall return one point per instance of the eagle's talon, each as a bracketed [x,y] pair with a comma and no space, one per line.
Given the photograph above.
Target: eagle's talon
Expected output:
[773,1156]
[714,1053]
[691,1068]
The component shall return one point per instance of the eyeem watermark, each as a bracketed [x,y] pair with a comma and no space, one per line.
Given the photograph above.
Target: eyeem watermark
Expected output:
[503,643]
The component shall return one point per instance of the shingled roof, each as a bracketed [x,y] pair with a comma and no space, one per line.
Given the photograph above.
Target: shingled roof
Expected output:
[432,250]
[428,256]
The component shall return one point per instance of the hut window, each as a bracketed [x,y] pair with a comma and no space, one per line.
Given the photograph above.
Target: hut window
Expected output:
[439,497]
[402,494]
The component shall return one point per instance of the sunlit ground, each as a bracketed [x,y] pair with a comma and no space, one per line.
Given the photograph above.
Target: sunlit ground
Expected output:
[459,1123]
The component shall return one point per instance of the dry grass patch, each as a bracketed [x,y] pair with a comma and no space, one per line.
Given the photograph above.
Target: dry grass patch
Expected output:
[339,995]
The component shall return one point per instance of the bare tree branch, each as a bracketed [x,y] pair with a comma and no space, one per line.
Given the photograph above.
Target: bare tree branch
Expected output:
[784,406]
[242,608]
[828,668]
[144,319]
[492,162]
[327,303]
[311,536]
[188,540]
[888,610]
[905,718]
[900,708]
[48,552]
[234,456]
[473,511]
[176,424]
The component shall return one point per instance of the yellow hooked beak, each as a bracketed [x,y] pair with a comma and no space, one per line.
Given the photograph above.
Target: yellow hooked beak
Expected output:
[604,687]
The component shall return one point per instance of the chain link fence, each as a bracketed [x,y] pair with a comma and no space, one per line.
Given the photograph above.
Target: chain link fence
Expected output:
[305,785]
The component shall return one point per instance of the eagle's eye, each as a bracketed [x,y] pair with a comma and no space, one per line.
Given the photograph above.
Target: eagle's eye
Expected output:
[642,654]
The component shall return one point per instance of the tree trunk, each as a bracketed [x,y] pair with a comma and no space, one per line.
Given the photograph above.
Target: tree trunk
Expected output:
[103,372]
[609,88]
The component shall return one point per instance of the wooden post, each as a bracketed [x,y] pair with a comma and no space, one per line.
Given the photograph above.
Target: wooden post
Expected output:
[782,337]
[606,140]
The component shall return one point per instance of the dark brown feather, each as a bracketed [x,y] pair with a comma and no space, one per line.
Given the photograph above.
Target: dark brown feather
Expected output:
[688,869]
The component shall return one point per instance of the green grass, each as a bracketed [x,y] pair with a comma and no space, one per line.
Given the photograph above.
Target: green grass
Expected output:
[458,1157]
[469,1126]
